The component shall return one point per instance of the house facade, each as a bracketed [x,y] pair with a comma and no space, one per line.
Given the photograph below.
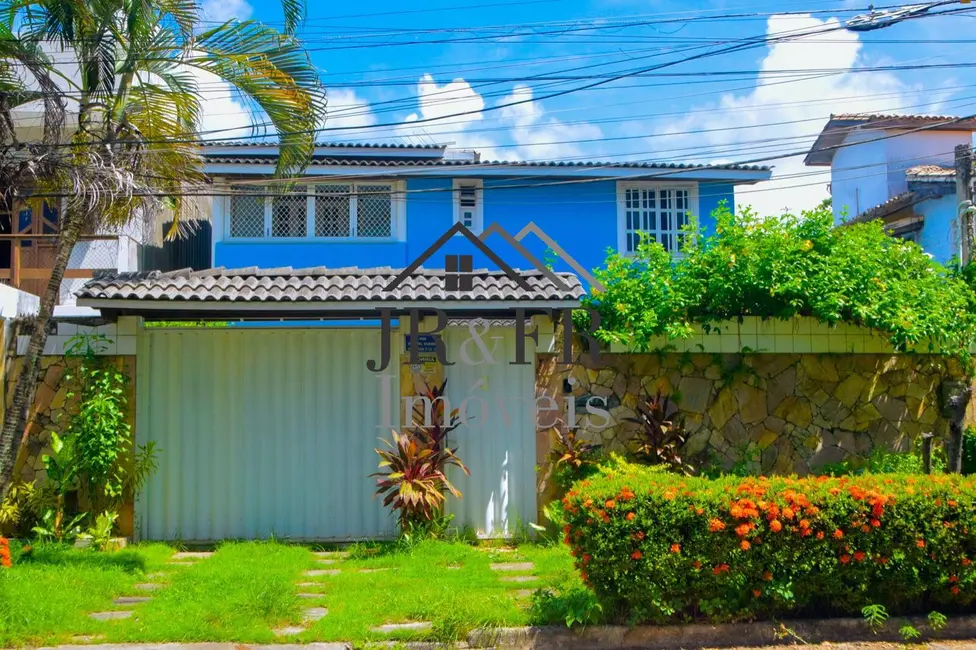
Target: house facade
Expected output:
[897,168]
[384,205]
[281,407]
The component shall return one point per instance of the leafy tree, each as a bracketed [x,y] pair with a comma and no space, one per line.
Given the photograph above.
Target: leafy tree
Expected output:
[780,267]
[133,147]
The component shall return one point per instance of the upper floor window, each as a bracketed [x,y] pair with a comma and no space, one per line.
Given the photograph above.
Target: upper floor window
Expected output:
[468,198]
[657,211]
[368,211]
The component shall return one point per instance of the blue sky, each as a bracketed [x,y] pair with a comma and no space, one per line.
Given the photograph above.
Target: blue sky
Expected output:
[757,103]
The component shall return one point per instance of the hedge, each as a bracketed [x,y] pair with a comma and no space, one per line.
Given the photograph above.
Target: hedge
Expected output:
[662,548]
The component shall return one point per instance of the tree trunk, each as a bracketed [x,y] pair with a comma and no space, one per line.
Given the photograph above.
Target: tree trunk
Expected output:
[15,419]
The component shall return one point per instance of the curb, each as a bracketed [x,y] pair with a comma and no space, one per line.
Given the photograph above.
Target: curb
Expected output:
[703,635]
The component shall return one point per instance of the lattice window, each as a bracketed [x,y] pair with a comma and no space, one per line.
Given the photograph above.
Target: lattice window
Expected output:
[655,213]
[246,211]
[332,211]
[288,213]
[374,214]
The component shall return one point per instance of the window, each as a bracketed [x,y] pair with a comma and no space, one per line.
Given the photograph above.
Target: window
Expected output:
[458,274]
[320,211]
[658,212]
[468,203]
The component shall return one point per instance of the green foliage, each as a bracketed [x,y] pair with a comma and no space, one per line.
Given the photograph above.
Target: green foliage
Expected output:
[100,533]
[883,461]
[570,459]
[937,620]
[909,632]
[660,547]
[20,507]
[573,607]
[969,450]
[875,615]
[99,428]
[785,266]
[58,527]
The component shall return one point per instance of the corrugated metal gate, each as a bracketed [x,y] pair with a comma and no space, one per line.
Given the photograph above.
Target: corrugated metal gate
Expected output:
[498,446]
[262,432]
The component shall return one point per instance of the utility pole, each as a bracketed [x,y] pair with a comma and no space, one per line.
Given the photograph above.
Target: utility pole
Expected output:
[964,199]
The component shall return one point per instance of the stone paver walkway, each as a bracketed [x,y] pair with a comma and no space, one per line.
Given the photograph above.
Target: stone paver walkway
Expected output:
[312,614]
[395,627]
[111,616]
[512,566]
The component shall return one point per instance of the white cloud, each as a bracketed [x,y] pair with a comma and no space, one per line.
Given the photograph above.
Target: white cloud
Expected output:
[539,137]
[798,109]
[347,109]
[224,116]
[224,10]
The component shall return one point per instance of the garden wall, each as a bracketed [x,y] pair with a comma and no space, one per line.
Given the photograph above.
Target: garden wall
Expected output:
[781,412]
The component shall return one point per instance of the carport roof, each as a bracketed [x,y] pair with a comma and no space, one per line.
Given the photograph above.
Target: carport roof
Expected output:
[315,291]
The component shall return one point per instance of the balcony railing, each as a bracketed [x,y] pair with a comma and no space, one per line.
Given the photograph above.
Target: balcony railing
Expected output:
[26,260]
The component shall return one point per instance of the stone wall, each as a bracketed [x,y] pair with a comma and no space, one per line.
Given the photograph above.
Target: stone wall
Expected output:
[783,412]
[52,412]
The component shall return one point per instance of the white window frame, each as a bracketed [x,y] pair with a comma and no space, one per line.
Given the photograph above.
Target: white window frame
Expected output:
[623,186]
[478,223]
[398,213]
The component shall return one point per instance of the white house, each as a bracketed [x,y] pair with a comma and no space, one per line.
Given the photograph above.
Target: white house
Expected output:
[898,168]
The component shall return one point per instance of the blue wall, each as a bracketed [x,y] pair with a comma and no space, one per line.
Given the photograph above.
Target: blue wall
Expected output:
[580,217]
[936,236]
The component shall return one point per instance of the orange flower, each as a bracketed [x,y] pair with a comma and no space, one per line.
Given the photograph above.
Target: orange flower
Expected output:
[838,534]
[610,504]
[756,593]
[876,523]
[630,516]
[767,575]
[720,569]
[699,511]
[788,513]
[639,535]
[696,564]
[820,534]
[920,543]
[586,558]
[804,523]
[775,526]
[636,555]
[715,525]
[859,556]
[882,560]
[966,561]
[844,559]
[865,528]
[676,548]
[745,545]
[588,503]
[743,529]
[955,591]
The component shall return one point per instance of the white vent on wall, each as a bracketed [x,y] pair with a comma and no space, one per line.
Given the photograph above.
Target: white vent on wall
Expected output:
[468,200]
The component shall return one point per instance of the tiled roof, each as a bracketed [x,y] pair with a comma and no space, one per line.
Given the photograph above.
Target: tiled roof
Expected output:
[345,285]
[840,125]
[441,162]
[889,207]
[930,173]
[337,145]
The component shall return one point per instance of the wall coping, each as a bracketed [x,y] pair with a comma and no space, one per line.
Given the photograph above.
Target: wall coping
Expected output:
[798,335]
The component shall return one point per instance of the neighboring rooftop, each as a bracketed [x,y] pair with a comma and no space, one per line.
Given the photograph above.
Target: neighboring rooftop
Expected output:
[890,207]
[840,125]
[930,174]
[314,290]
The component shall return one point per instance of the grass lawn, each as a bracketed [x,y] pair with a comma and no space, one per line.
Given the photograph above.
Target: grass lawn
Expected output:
[247,589]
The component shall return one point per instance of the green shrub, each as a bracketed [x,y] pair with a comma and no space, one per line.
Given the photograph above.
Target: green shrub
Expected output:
[658,547]
[784,266]
[969,451]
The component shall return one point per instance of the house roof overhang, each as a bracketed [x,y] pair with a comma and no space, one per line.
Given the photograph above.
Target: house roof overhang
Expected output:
[894,211]
[838,127]
[340,294]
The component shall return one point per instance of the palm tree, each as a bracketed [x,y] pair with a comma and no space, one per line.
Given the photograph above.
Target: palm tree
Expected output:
[133,148]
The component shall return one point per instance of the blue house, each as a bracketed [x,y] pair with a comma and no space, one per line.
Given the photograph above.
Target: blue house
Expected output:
[899,169]
[371,205]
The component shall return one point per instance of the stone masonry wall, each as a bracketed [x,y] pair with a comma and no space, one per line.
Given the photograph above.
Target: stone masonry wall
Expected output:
[786,412]
[52,410]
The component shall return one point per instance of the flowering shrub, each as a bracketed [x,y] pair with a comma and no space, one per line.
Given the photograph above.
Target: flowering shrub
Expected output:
[5,553]
[657,547]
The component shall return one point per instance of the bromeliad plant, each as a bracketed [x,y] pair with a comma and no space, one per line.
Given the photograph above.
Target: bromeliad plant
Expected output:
[659,439]
[416,480]
[415,483]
